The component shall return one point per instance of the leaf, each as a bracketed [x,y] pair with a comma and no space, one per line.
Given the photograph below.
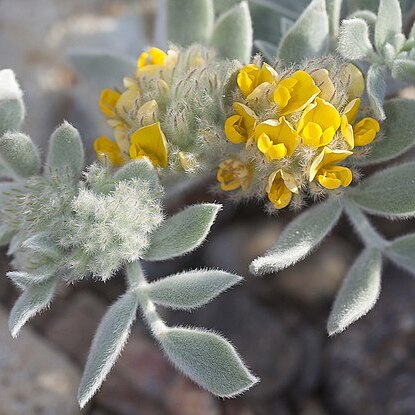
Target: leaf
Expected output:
[368,16]
[25,280]
[189,21]
[138,169]
[354,42]
[308,37]
[376,89]
[403,69]
[190,289]
[299,238]
[232,34]
[208,359]
[182,232]
[66,151]
[109,340]
[398,132]
[270,20]
[358,293]
[388,22]
[11,115]
[267,49]
[19,155]
[333,11]
[388,193]
[32,301]
[41,243]
[102,69]
[401,251]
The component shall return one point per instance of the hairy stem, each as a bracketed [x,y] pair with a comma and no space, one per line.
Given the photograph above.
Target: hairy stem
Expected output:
[364,229]
[137,282]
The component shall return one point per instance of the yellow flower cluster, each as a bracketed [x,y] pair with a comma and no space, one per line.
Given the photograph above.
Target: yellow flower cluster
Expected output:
[135,121]
[294,129]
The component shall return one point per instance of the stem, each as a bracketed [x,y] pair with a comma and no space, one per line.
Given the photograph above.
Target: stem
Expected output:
[365,230]
[137,283]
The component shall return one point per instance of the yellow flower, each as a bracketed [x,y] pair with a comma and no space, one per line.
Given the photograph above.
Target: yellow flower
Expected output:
[365,131]
[328,174]
[107,149]
[322,80]
[251,76]
[233,174]
[295,93]
[107,102]
[347,119]
[149,141]
[122,138]
[148,113]
[240,128]
[353,79]
[127,100]
[154,59]
[318,123]
[281,186]
[276,138]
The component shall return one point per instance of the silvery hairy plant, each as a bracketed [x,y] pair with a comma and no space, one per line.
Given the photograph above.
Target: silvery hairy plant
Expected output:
[305,43]
[63,223]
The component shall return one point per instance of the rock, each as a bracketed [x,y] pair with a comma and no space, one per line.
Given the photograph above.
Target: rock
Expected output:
[311,406]
[34,378]
[186,398]
[370,367]
[80,317]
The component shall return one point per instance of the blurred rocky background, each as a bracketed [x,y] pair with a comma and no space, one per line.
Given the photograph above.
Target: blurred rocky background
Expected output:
[276,322]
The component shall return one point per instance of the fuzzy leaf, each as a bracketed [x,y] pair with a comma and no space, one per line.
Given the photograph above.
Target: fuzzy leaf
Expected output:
[388,193]
[308,37]
[40,243]
[368,16]
[403,69]
[109,340]
[101,69]
[270,20]
[388,22]
[19,155]
[190,289]
[208,359]
[12,109]
[11,115]
[398,132]
[66,151]
[26,280]
[358,293]
[31,301]
[232,34]
[402,252]
[376,89]
[299,238]
[354,42]
[267,49]
[182,232]
[333,11]
[189,21]
[138,169]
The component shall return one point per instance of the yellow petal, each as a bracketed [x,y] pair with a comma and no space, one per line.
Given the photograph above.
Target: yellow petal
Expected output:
[354,81]
[279,132]
[312,133]
[107,101]
[365,131]
[233,131]
[233,174]
[351,110]
[322,80]
[301,91]
[149,141]
[106,149]
[347,132]
[327,157]
[332,177]
[153,56]
[127,101]
[122,138]
[326,116]
[251,76]
[278,189]
[148,113]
